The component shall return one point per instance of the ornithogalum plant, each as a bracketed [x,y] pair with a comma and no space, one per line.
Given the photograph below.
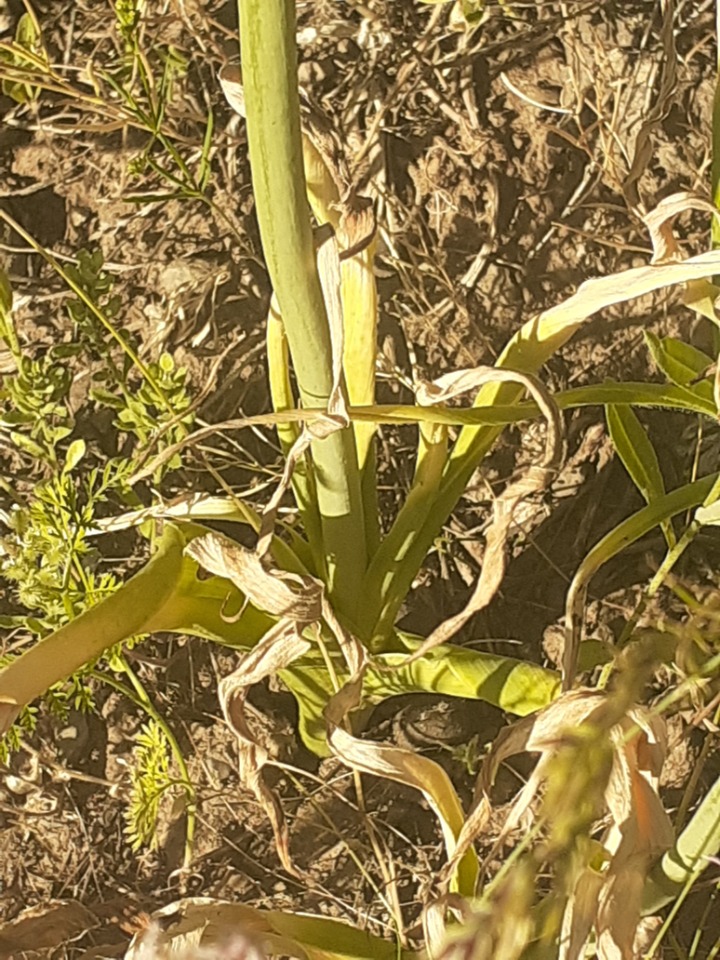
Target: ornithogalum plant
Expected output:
[316,602]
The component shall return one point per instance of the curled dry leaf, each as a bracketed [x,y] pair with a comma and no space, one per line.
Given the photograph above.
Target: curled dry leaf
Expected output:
[434,919]
[286,595]
[500,927]
[333,195]
[556,325]
[659,223]
[593,295]
[405,766]
[278,648]
[297,601]
[199,929]
[700,294]
[402,766]
[607,889]
[640,831]
[278,592]
[533,481]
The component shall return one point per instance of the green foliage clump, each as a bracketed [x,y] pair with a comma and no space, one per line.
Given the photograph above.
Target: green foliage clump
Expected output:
[49,554]
[36,410]
[150,781]
[27,54]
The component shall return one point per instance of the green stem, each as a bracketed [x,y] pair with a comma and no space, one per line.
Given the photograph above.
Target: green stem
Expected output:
[303,481]
[269,59]
[682,866]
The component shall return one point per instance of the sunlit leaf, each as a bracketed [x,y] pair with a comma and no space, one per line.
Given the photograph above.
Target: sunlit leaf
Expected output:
[681,363]
[27,38]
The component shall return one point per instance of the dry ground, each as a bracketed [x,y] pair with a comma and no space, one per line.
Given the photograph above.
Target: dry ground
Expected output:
[499,160]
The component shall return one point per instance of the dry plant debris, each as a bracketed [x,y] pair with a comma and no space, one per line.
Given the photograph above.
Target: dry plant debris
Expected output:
[508,166]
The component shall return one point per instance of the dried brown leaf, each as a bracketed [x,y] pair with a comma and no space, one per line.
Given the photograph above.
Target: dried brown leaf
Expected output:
[639,830]
[277,649]
[299,601]
[501,927]
[642,152]
[533,481]
[555,326]
[48,926]
[580,913]
[401,766]
[277,592]
[534,733]
[659,223]
[199,928]
[639,833]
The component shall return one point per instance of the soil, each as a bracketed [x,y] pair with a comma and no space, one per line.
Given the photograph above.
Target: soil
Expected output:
[499,160]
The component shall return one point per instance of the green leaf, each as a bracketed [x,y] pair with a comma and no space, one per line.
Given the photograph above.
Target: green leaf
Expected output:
[56,434]
[150,779]
[473,10]
[120,616]
[166,595]
[204,171]
[27,37]
[510,684]
[154,197]
[708,516]
[406,545]
[166,363]
[6,299]
[7,327]
[681,363]
[629,531]
[30,446]
[638,456]
[507,683]
[64,350]
[76,451]
[106,398]
[198,925]
[634,448]
[15,418]
[682,866]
